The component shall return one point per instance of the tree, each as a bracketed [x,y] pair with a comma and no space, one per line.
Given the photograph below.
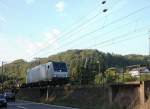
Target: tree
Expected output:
[111,75]
[75,60]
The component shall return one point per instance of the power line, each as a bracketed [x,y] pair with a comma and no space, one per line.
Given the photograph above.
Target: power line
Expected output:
[114,29]
[127,39]
[149,45]
[74,25]
[75,30]
[111,23]
[2,73]
[72,31]
[89,20]
[67,34]
[121,36]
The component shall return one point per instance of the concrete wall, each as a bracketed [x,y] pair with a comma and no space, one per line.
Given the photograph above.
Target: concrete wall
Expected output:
[128,95]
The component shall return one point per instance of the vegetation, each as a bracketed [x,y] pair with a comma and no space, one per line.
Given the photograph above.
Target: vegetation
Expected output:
[72,96]
[85,67]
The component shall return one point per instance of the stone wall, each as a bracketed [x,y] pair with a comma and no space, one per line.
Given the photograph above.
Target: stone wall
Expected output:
[128,95]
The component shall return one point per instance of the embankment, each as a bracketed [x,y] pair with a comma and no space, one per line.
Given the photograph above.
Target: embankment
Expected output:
[83,97]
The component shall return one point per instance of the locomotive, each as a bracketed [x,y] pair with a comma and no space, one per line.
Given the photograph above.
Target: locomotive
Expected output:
[50,73]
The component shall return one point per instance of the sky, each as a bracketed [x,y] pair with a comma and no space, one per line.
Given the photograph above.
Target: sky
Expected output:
[40,28]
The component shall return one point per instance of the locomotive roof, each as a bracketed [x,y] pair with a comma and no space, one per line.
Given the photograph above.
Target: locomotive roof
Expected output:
[45,64]
[57,61]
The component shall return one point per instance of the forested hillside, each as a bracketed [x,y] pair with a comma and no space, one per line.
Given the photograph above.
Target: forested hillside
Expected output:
[82,64]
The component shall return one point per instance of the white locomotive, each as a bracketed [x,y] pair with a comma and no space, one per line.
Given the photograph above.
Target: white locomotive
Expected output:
[51,71]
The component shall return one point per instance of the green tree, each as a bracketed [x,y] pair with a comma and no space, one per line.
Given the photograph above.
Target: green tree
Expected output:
[111,75]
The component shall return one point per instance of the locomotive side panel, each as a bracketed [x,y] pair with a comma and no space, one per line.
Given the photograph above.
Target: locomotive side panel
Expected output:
[34,74]
[42,73]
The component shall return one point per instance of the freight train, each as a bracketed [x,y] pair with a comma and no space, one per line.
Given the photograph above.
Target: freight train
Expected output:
[51,73]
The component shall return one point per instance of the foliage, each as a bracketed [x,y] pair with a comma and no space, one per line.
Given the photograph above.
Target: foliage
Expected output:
[126,77]
[99,79]
[84,66]
[111,75]
[145,77]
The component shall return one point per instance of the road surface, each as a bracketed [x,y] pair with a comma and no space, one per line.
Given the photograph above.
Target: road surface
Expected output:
[31,105]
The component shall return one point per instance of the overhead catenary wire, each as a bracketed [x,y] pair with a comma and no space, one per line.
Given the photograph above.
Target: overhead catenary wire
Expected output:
[114,29]
[80,19]
[68,34]
[111,23]
[126,39]
[78,29]
[74,25]
[72,31]
[122,36]
[107,25]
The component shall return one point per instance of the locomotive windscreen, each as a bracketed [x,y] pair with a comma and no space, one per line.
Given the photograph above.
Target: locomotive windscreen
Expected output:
[59,66]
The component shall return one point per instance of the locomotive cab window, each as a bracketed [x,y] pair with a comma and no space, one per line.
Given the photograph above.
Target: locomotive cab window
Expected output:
[59,67]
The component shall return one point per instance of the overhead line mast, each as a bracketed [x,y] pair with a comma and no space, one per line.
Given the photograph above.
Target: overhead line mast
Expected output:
[149,45]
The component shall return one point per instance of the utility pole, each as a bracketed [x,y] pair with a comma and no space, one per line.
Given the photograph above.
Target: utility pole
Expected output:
[99,70]
[139,72]
[47,93]
[148,60]
[84,79]
[123,74]
[17,81]
[149,46]
[2,75]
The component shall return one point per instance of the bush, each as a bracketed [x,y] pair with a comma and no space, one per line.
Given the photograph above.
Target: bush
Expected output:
[126,77]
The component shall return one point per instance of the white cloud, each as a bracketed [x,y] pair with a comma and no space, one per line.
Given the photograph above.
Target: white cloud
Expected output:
[56,31]
[60,6]
[51,35]
[3,19]
[51,38]
[8,51]
[48,40]
[26,44]
[25,47]
[29,2]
